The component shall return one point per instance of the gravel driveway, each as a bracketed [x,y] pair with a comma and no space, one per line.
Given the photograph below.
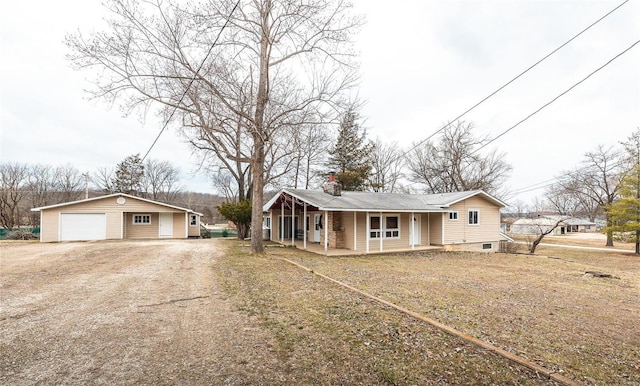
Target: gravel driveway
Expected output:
[143,312]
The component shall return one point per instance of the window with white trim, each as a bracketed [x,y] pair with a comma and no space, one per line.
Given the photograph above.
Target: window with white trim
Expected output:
[374,227]
[142,219]
[453,216]
[193,220]
[389,227]
[487,246]
[474,217]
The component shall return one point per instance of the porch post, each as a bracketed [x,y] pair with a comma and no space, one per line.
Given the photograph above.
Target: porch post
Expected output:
[293,222]
[304,227]
[186,225]
[282,222]
[326,232]
[381,232]
[428,228]
[442,230]
[355,231]
[368,231]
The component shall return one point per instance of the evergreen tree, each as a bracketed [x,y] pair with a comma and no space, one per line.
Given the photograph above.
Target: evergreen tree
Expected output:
[240,214]
[350,157]
[129,175]
[625,212]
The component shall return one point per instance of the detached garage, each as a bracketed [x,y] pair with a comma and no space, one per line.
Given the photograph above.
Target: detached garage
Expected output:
[116,216]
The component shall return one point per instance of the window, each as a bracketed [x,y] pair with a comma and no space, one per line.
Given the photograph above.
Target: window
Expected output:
[453,215]
[266,222]
[142,219]
[388,228]
[487,246]
[474,218]
[193,220]
[391,228]
[374,227]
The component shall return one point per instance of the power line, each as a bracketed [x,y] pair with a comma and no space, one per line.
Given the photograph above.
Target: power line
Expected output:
[557,97]
[514,79]
[175,108]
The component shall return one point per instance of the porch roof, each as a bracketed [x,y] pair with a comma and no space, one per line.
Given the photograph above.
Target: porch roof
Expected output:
[376,202]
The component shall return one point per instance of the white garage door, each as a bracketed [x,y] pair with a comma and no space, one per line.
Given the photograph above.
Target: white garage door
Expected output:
[83,226]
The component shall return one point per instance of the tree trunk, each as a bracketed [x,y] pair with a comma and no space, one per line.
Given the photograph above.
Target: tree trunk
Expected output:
[259,136]
[609,233]
[637,242]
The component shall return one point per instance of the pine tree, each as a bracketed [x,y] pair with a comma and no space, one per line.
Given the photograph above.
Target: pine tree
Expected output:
[129,174]
[350,157]
[625,212]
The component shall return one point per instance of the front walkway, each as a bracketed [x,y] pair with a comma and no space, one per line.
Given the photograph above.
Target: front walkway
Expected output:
[318,248]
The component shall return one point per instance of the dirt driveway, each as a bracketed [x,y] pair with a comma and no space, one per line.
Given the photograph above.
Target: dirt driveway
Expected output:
[146,312]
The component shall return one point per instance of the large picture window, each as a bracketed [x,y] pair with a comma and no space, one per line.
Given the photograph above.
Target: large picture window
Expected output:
[474,217]
[387,227]
[142,219]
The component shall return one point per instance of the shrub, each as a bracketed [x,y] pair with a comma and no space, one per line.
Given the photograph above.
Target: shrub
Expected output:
[21,235]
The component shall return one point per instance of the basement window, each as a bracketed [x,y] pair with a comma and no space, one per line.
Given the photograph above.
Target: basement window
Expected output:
[487,246]
[142,219]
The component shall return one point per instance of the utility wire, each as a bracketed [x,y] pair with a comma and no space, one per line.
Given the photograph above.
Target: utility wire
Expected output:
[556,98]
[514,79]
[175,108]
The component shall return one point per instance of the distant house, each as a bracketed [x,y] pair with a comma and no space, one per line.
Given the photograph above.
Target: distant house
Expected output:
[368,222]
[533,226]
[116,216]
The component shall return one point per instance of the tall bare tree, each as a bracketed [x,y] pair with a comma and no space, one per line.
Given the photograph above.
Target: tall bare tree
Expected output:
[69,183]
[102,179]
[13,189]
[598,179]
[276,59]
[387,163]
[161,180]
[453,164]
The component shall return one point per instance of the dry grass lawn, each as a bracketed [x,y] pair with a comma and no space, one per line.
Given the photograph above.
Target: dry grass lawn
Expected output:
[542,308]
[208,312]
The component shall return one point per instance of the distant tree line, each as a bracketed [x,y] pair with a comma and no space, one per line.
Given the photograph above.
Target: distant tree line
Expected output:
[26,186]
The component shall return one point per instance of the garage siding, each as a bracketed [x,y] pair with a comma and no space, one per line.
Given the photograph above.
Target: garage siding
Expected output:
[118,217]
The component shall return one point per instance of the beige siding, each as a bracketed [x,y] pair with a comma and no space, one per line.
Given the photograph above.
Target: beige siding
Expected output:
[141,231]
[459,231]
[115,213]
[347,223]
[194,230]
[435,228]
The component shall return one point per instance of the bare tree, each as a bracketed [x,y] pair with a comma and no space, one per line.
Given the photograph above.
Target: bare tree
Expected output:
[453,164]
[13,189]
[387,163]
[161,180]
[275,60]
[570,196]
[69,183]
[598,179]
[542,233]
[102,179]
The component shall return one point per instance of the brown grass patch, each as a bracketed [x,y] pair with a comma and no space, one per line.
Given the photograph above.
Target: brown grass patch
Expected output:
[543,309]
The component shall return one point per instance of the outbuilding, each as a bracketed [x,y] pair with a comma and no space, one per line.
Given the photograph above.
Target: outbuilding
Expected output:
[116,216]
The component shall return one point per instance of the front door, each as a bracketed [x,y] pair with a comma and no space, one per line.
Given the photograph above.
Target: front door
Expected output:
[414,230]
[165,225]
[317,227]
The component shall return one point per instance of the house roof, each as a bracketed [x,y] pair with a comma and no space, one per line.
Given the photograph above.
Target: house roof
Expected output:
[114,195]
[551,220]
[379,202]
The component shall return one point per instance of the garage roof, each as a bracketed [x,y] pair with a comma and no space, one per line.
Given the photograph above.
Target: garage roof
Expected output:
[114,195]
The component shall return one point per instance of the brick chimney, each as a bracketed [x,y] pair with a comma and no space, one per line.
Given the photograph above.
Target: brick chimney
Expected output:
[332,187]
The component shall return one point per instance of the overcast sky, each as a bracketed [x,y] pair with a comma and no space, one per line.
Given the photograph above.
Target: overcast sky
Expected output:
[422,62]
